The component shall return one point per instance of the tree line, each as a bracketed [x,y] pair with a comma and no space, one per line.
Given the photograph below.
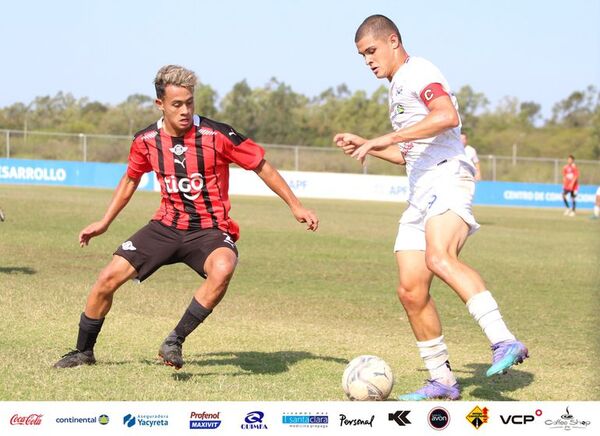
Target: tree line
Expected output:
[276,114]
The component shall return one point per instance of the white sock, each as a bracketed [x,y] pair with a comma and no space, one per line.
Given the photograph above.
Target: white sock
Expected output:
[435,355]
[597,211]
[485,310]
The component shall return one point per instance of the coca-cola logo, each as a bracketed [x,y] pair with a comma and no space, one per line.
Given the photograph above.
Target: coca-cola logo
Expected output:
[33,419]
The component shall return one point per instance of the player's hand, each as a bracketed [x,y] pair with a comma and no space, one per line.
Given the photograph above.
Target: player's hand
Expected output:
[94,229]
[361,152]
[348,142]
[307,216]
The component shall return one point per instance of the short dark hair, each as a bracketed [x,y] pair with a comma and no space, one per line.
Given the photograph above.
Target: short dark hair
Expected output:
[379,26]
[572,157]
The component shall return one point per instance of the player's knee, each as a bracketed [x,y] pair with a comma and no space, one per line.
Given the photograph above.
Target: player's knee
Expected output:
[411,298]
[108,282]
[221,270]
[437,261]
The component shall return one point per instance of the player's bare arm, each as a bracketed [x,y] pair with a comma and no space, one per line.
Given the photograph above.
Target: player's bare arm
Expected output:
[441,117]
[121,197]
[349,142]
[271,177]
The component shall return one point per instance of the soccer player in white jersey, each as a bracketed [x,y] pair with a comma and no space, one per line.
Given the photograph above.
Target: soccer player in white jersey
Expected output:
[438,219]
[471,155]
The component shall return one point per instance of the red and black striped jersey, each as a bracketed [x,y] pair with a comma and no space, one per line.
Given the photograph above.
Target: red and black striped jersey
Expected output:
[193,172]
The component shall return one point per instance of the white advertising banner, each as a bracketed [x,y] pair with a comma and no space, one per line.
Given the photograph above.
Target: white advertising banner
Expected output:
[325,185]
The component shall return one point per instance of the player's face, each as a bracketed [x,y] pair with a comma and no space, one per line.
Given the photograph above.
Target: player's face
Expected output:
[379,54]
[569,160]
[177,106]
[463,139]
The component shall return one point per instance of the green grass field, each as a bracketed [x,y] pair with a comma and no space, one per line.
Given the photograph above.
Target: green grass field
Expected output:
[300,306]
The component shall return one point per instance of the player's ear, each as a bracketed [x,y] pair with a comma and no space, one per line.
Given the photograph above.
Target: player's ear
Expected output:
[159,104]
[394,41]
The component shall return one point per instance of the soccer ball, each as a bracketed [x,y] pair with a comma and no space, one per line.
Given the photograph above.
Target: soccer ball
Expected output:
[367,378]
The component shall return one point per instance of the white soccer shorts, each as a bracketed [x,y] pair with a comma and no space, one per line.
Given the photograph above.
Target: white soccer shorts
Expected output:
[449,186]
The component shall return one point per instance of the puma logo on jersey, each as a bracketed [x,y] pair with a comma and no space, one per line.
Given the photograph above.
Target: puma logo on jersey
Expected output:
[149,135]
[128,246]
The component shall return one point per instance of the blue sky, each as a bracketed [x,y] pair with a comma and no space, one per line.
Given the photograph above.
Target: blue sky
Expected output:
[106,49]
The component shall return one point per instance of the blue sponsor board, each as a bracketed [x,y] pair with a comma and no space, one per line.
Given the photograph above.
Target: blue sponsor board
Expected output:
[530,195]
[65,173]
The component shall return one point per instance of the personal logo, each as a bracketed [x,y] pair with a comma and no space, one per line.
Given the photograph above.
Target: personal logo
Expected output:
[305,420]
[128,246]
[477,417]
[519,419]
[346,421]
[189,187]
[438,418]
[567,422]
[205,420]
[149,421]
[179,150]
[400,417]
[254,421]
[32,419]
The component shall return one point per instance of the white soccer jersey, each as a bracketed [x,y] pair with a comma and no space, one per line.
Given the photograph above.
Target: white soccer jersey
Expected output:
[471,154]
[407,94]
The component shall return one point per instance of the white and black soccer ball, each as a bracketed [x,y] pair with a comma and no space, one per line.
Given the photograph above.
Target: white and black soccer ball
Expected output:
[367,378]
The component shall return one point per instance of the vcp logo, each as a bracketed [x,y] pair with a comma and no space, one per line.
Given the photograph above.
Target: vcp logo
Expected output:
[189,187]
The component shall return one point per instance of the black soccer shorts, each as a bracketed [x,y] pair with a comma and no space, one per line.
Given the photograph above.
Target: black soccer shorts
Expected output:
[155,245]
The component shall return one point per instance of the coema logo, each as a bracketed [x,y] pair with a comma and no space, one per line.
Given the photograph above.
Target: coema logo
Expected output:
[130,420]
[205,420]
[438,418]
[102,419]
[567,422]
[304,419]
[477,417]
[254,421]
[33,419]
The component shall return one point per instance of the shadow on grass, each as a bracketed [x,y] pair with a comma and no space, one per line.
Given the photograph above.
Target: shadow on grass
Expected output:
[17,270]
[495,388]
[251,362]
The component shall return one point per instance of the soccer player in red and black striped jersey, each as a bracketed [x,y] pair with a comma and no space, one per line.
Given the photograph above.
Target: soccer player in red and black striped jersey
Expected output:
[190,156]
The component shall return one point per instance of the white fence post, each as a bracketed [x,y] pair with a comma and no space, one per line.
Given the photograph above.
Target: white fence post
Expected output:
[296,158]
[8,144]
[555,170]
[84,146]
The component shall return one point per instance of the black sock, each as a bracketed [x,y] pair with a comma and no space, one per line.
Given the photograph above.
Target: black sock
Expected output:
[566,202]
[89,329]
[193,316]
[574,205]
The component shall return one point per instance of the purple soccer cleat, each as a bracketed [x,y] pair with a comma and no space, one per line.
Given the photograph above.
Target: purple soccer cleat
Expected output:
[505,355]
[433,390]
